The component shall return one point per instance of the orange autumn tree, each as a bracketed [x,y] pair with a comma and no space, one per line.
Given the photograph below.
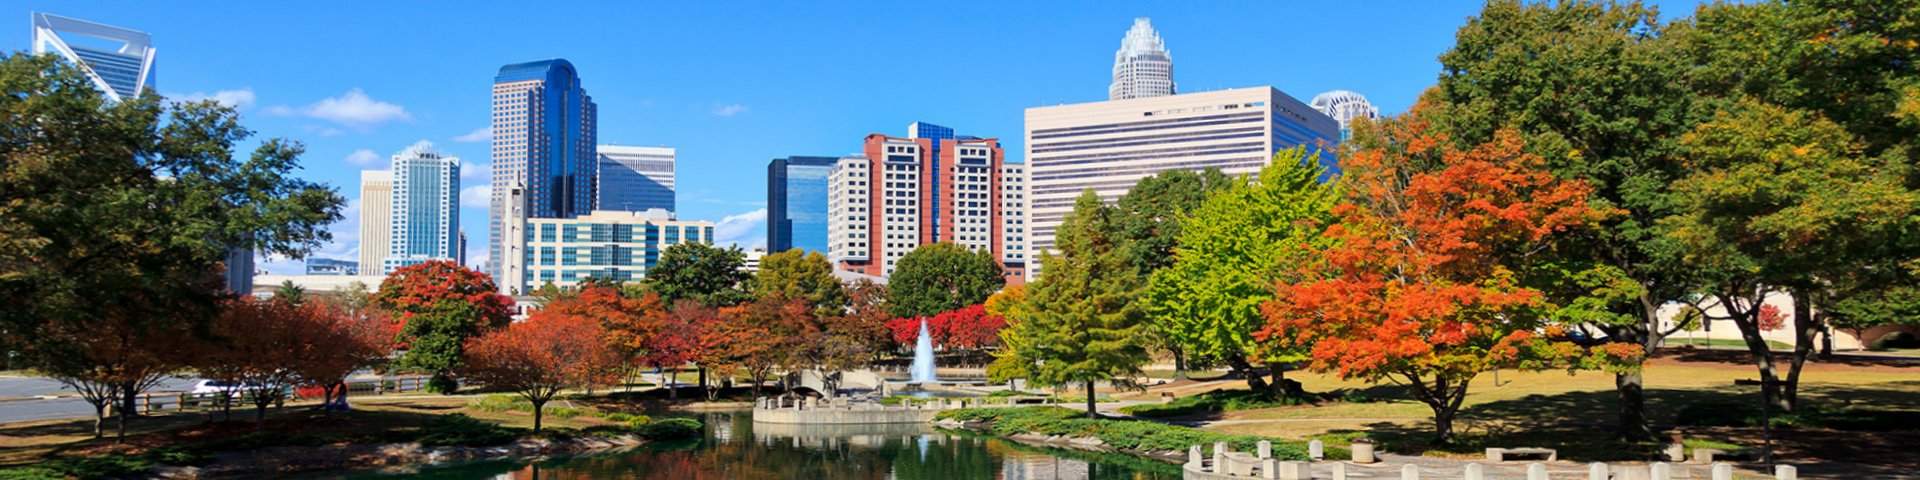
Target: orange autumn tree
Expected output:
[539,357]
[1420,284]
[630,323]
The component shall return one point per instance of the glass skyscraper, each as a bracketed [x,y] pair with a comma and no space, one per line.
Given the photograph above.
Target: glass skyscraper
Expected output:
[544,143]
[425,221]
[634,179]
[122,73]
[797,203]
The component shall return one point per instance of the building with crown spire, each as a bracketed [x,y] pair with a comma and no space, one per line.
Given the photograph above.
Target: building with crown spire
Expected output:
[1142,67]
[1344,106]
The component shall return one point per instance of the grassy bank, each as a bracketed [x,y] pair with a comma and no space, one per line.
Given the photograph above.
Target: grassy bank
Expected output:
[1127,435]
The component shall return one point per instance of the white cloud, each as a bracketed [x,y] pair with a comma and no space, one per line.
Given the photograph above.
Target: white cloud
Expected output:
[353,109]
[481,134]
[746,230]
[729,110]
[477,196]
[344,246]
[238,99]
[363,157]
[472,171]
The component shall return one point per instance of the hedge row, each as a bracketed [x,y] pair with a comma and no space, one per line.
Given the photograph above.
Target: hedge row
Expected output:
[1139,435]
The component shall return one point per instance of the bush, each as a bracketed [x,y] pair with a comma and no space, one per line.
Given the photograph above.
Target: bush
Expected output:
[1123,434]
[638,420]
[564,412]
[31,473]
[618,417]
[443,383]
[670,429]
[1214,401]
[1895,340]
[464,431]
[1012,393]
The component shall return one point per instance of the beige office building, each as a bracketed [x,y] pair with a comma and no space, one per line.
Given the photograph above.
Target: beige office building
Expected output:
[376,219]
[1109,146]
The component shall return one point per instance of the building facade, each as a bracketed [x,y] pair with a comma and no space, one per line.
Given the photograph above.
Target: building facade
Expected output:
[544,143]
[329,266]
[425,206]
[1142,67]
[1109,146]
[635,179]
[882,204]
[604,244]
[121,73]
[797,203]
[1344,106]
[1013,221]
[376,214]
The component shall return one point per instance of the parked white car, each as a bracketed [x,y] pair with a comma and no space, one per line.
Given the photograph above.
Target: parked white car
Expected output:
[215,387]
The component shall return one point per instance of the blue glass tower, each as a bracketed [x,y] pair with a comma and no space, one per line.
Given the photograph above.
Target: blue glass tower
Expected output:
[544,143]
[797,203]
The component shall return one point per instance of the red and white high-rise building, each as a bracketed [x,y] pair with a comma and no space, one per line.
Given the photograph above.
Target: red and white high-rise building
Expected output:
[900,194]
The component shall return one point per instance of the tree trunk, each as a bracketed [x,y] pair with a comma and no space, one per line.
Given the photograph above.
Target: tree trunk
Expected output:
[539,407]
[1804,326]
[1179,363]
[703,382]
[1281,387]
[259,416]
[99,420]
[1633,407]
[1239,364]
[1762,358]
[1092,411]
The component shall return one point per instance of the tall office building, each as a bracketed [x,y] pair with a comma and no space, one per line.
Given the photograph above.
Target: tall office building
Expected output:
[797,203]
[882,205]
[1142,67]
[425,206]
[1109,146]
[122,72]
[1344,106]
[544,142]
[376,219]
[635,179]
[1013,221]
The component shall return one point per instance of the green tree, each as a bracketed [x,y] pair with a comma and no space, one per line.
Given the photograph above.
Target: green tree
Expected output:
[803,275]
[1600,92]
[1786,200]
[702,272]
[436,341]
[1080,323]
[941,277]
[1150,219]
[118,216]
[290,293]
[1234,246]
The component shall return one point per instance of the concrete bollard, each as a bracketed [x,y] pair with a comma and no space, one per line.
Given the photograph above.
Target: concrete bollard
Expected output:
[1661,471]
[1676,452]
[1265,449]
[1722,471]
[1194,459]
[1409,472]
[1219,461]
[1220,447]
[1474,471]
[1269,468]
[1293,470]
[1537,471]
[1786,472]
[1316,450]
[1597,471]
[1339,471]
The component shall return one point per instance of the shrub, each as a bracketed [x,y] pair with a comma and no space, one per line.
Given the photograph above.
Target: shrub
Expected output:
[1214,401]
[461,430]
[638,420]
[670,429]
[1013,393]
[1895,340]
[564,412]
[31,473]
[1123,434]
[618,417]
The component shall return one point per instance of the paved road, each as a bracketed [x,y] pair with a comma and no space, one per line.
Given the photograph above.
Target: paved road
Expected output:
[18,402]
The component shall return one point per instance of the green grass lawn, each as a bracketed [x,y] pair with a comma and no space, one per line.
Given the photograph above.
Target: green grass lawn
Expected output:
[1682,340]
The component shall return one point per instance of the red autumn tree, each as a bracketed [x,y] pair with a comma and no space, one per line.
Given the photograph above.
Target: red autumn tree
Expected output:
[732,342]
[1771,318]
[540,357]
[906,331]
[631,323]
[263,348]
[1419,286]
[970,328]
[756,337]
[864,323]
[417,288]
[344,340]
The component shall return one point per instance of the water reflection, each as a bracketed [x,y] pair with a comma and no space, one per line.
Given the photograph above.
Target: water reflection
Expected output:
[736,448]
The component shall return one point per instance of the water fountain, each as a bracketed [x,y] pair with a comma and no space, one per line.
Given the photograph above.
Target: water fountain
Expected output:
[922,370]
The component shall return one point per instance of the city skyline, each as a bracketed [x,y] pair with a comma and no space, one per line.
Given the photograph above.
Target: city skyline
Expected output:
[345,105]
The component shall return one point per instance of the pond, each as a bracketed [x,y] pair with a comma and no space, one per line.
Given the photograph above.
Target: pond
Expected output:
[734,447]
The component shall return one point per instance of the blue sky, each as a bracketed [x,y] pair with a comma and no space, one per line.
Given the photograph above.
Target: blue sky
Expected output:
[732,85]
